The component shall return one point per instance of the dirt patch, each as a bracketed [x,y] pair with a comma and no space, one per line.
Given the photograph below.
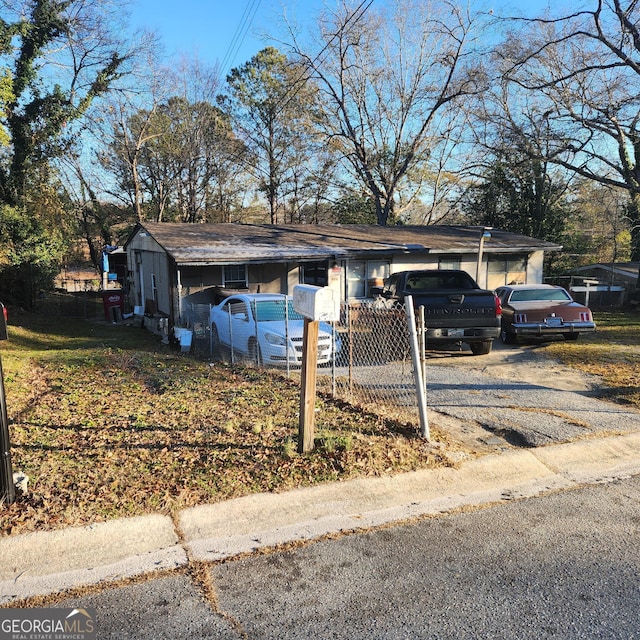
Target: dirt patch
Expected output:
[523,363]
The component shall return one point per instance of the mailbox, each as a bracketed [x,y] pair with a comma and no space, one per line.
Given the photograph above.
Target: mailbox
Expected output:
[4,320]
[316,303]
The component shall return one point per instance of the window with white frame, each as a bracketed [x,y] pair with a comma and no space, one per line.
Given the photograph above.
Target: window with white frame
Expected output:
[362,275]
[235,276]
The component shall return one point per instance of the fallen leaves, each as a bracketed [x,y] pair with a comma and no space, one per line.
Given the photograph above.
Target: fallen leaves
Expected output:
[120,425]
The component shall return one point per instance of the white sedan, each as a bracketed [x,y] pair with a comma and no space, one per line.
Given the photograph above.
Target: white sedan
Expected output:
[266,328]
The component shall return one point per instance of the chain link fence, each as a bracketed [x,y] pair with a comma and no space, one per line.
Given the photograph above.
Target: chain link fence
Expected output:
[375,371]
[364,358]
[86,304]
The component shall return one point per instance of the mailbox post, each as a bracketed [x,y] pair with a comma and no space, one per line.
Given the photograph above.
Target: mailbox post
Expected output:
[316,304]
[308,386]
[7,487]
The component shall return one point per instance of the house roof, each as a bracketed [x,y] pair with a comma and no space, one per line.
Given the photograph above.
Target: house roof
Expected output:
[627,270]
[202,244]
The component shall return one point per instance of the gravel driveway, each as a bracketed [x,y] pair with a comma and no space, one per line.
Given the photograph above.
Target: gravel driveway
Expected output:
[523,396]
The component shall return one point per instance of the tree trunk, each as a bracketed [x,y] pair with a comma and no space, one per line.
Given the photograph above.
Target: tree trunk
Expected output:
[634,220]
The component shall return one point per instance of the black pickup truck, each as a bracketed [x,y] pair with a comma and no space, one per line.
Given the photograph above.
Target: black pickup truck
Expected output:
[456,309]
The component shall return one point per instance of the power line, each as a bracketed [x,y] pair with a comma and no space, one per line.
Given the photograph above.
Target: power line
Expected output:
[240,34]
[357,15]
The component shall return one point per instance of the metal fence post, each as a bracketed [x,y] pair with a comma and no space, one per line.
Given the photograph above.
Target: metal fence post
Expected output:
[423,341]
[421,392]
[210,332]
[7,487]
[351,338]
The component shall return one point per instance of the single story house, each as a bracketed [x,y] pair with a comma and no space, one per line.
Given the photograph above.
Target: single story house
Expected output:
[170,263]
[611,284]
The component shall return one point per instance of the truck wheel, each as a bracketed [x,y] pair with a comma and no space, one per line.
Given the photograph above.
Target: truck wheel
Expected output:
[481,348]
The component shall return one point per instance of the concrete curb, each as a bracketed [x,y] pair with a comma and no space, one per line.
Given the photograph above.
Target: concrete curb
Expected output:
[214,532]
[46,562]
[594,461]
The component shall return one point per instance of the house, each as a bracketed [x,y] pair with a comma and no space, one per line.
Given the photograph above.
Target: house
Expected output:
[171,263]
[611,284]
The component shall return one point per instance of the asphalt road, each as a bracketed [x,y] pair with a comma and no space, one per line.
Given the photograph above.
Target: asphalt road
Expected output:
[565,565]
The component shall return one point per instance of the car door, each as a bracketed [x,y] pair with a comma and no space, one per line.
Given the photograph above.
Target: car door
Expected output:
[241,325]
[231,323]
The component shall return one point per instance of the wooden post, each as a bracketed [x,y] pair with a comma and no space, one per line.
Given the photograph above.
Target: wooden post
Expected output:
[308,382]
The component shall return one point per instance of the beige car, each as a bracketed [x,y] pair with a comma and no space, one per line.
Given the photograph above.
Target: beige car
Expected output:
[542,310]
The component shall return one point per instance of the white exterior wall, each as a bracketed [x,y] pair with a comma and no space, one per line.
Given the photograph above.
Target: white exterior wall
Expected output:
[535,267]
[469,263]
[153,261]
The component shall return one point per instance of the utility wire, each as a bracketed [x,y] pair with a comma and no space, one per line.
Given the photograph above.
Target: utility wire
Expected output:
[240,34]
[357,15]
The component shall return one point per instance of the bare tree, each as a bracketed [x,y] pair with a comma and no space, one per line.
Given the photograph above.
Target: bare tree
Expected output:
[170,152]
[63,56]
[582,71]
[103,190]
[393,85]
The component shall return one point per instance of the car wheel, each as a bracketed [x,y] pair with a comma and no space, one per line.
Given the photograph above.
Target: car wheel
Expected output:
[571,336]
[481,348]
[507,337]
[215,340]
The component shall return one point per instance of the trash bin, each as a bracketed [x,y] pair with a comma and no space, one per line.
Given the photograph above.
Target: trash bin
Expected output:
[113,302]
[184,337]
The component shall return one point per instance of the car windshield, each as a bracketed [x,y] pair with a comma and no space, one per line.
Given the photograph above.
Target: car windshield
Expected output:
[441,280]
[268,310]
[527,295]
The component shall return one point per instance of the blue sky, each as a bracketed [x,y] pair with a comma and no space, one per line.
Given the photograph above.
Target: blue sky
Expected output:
[229,32]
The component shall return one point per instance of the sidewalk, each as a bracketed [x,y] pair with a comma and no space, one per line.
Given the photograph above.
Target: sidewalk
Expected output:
[47,562]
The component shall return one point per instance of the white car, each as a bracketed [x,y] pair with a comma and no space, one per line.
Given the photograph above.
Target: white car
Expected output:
[266,328]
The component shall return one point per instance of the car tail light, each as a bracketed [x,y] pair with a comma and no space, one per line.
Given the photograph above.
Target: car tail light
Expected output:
[498,306]
[585,316]
[520,317]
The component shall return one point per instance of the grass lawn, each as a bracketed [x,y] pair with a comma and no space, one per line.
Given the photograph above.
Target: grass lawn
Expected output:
[613,353]
[108,422]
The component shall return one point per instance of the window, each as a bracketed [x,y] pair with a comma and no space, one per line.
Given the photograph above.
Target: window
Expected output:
[270,310]
[315,273]
[507,269]
[553,295]
[449,262]
[440,280]
[154,288]
[364,274]
[235,276]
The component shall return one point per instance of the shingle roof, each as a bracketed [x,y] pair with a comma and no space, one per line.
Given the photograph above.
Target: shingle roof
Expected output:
[201,244]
